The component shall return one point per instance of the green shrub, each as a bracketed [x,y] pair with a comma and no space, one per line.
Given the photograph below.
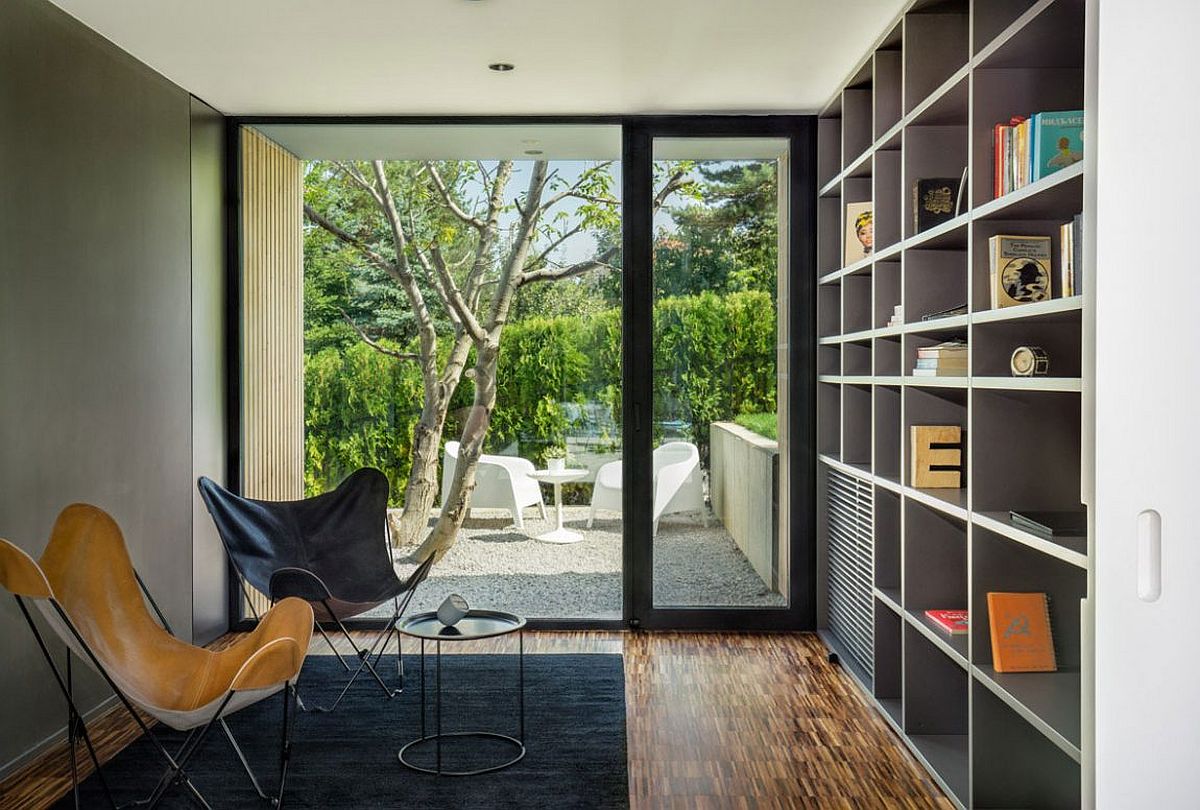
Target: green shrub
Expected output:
[714,359]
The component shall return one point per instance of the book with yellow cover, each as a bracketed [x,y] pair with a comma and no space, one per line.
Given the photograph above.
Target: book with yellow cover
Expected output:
[1021,638]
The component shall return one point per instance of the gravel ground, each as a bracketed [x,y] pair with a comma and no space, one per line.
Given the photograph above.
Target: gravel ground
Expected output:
[496,566]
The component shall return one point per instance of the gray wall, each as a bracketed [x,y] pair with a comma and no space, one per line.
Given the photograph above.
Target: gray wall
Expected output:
[96,326]
[210,584]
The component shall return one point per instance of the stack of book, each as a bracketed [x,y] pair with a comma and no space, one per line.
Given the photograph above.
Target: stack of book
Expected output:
[948,359]
[897,315]
[950,622]
[1070,256]
[1028,148]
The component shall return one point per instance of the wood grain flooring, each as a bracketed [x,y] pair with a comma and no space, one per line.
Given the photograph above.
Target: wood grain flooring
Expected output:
[723,720]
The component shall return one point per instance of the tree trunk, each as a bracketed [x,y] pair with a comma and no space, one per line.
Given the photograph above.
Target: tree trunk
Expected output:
[422,488]
[454,510]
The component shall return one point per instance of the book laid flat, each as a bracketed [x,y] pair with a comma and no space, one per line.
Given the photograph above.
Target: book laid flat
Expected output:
[949,312]
[952,622]
[1019,269]
[1051,523]
[1020,629]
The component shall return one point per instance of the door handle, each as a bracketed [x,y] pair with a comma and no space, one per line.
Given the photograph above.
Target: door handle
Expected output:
[1149,555]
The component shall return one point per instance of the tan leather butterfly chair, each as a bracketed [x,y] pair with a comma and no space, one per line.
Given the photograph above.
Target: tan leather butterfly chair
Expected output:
[88,591]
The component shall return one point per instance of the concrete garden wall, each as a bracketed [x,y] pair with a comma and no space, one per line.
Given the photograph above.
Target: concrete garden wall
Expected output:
[744,487]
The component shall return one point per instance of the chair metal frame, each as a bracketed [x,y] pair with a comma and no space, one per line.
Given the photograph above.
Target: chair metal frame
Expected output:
[175,774]
[320,593]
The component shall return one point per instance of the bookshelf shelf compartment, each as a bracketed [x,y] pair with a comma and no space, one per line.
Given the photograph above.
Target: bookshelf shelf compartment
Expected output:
[935,710]
[1015,432]
[888,658]
[992,346]
[829,155]
[935,560]
[829,360]
[887,292]
[932,152]
[1049,701]
[1000,94]
[888,84]
[887,541]
[1048,34]
[856,438]
[856,358]
[953,646]
[1004,744]
[935,48]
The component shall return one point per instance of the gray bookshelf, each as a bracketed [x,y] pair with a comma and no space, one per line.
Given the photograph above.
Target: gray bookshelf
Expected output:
[922,103]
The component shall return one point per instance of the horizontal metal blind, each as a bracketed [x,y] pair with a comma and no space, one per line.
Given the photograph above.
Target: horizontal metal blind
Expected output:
[849,509]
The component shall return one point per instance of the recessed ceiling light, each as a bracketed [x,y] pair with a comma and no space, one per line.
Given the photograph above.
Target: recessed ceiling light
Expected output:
[531,142]
[534,152]
[501,67]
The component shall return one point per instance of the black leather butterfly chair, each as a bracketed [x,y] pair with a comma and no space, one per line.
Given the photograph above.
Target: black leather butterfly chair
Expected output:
[332,550]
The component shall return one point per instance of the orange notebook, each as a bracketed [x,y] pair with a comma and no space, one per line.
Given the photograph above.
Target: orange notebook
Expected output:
[1021,639]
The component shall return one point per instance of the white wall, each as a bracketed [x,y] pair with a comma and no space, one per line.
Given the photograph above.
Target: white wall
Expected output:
[1147,305]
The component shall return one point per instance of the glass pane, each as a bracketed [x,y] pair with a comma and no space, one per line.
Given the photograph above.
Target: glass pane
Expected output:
[505,234]
[717,449]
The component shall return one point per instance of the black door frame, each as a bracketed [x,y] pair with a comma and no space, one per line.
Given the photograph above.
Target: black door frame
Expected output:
[638,394]
[638,132]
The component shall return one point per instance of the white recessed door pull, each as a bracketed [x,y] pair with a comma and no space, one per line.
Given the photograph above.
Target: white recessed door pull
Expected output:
[1149,555]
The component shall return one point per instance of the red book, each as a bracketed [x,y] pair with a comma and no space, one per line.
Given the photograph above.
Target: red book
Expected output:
[952,622]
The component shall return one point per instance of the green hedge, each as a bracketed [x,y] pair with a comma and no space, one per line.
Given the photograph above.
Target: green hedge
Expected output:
[714,360]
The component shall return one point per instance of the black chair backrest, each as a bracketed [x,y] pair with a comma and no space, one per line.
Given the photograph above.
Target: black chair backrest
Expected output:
[341,536]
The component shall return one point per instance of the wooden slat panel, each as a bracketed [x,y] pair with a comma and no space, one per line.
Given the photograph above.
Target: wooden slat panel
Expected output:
[272,323]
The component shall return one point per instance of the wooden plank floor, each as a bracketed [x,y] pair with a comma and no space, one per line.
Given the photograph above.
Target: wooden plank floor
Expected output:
[714,721]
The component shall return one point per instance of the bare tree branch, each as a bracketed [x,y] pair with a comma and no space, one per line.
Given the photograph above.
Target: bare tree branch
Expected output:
[455,299]
[569,271]
[676,182]
[564,236]
[573,189]
[354,174]
[375,344]
[448,201]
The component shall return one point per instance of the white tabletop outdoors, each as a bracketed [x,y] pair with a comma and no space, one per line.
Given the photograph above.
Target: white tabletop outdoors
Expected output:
[551,476]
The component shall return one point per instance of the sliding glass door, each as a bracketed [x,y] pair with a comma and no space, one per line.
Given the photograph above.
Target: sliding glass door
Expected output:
[715,539]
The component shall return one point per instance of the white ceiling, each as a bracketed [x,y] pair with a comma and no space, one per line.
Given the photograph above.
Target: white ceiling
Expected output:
[326,57]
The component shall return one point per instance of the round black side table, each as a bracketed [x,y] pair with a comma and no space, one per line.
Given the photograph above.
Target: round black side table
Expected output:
[477,624]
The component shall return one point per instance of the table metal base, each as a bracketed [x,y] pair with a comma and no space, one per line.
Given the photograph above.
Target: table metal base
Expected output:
[490,735]
[439,735]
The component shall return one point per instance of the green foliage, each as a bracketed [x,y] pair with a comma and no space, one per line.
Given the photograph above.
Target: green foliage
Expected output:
[726,238]
[764,424]
[360,407]
[714,359]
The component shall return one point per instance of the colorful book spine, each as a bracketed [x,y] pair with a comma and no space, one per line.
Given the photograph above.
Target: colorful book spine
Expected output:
[1029,148]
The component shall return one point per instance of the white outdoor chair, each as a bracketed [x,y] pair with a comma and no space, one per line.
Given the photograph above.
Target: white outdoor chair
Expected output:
[501,482]
[677,484]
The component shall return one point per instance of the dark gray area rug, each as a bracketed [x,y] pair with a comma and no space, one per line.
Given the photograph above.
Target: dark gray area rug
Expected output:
[574,735]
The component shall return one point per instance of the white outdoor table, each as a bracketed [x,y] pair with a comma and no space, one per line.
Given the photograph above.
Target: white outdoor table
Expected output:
[558,478]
